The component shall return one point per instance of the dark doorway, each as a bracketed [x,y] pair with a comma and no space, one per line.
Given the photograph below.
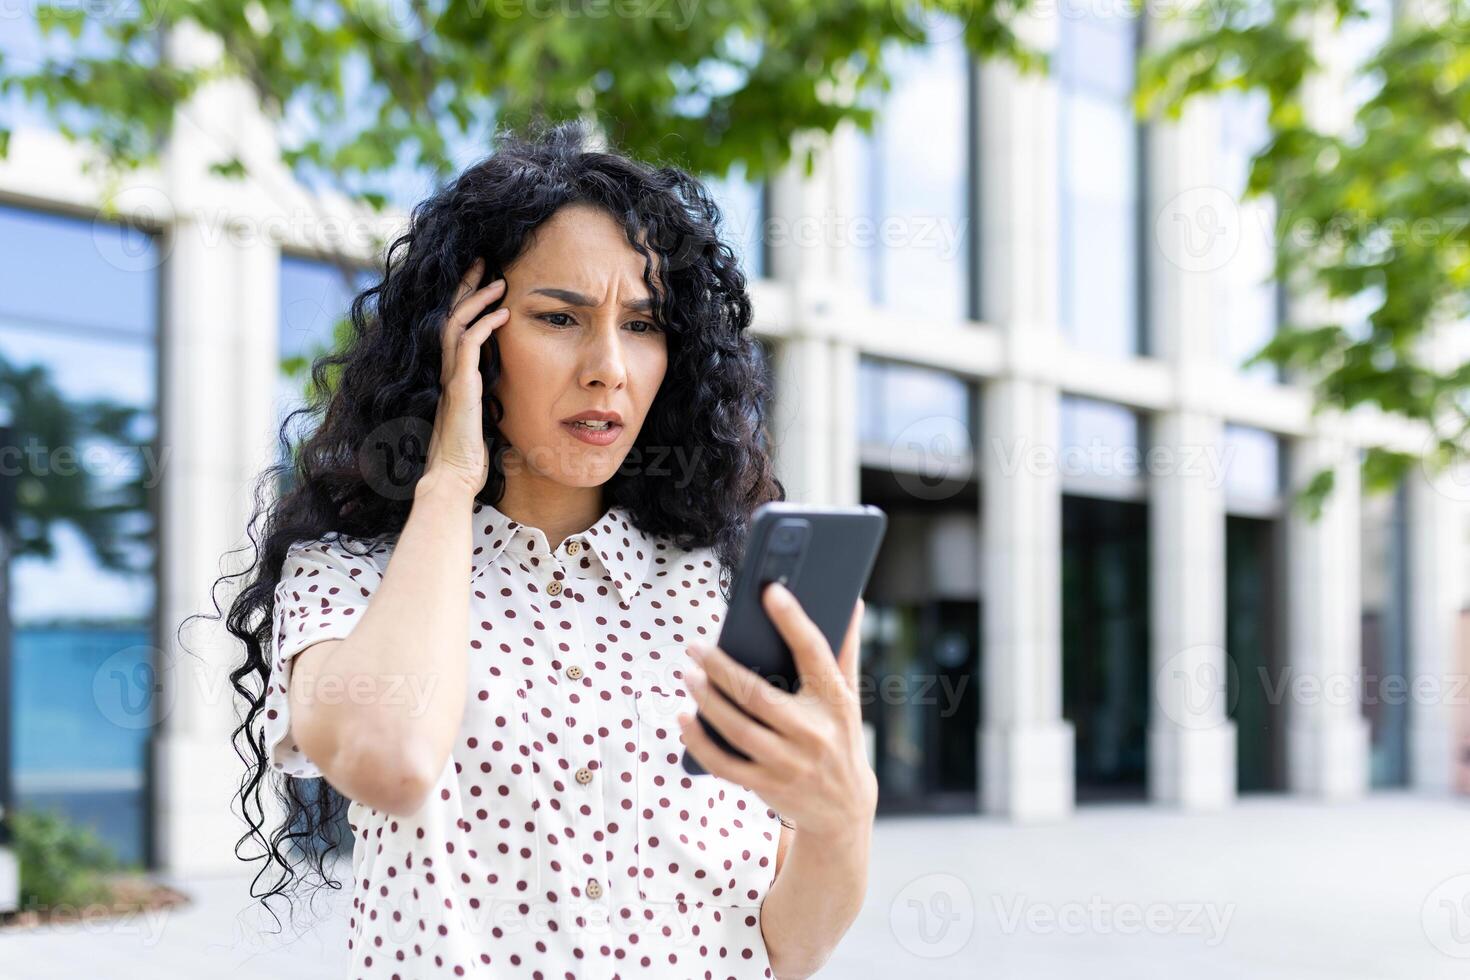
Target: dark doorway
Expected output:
[1252,640]
[920,680]
[1105,643]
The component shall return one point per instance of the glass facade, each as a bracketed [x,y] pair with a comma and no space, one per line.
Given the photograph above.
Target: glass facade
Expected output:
[1105,643]
[1252,460]
[1385,639]
[1254,477]
[1100,180]
[743,204]
[914,179]
[921,651]
[81,379]
[315,297]
[1247,293]
[1254,642]
[1102,449]
[1105,595]
[916,412]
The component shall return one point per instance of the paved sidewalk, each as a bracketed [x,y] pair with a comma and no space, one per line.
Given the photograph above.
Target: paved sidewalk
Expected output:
[1273,888]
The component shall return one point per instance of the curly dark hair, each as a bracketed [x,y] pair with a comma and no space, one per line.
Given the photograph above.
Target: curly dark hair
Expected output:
[354,473]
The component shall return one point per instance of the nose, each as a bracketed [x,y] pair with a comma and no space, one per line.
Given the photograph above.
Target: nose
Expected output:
[602,360]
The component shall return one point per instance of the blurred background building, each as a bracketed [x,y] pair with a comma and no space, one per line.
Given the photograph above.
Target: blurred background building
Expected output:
[1002,316]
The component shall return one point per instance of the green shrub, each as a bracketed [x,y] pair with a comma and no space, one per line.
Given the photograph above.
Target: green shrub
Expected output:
[61,863]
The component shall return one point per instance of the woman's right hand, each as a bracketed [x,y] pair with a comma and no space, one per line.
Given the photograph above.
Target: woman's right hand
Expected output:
[457,452]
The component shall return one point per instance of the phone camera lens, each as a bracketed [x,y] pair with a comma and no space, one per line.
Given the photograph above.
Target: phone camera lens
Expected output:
[786,540]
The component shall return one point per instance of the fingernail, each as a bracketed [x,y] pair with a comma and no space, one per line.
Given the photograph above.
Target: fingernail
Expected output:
[780,592]
[694,677]
[696,652]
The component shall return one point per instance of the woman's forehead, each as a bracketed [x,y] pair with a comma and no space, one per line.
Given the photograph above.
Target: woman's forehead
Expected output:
[587,253]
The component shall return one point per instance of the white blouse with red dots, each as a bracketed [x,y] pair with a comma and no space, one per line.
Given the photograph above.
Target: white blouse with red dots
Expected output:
[563,838]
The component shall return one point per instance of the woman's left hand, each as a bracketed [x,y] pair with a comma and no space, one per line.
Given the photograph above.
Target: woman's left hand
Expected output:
[808,758]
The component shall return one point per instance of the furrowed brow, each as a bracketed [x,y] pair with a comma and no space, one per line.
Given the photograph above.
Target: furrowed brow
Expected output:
[644,305]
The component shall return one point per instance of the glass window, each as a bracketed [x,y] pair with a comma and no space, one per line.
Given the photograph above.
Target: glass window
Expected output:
[1101,448]
[1106,686]
[914,178]
[1246,291]
[1252,461]
[742,204]
[314,302]
[1099,173]
[1383,568]
[914,410]
[80,373]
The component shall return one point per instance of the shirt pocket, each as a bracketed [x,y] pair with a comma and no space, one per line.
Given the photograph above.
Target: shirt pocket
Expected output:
[702,840]
[496,846]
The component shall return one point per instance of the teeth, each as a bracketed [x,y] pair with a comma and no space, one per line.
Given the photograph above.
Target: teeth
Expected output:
[593,425]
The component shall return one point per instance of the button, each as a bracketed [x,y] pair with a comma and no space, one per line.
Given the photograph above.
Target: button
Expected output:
[594,888]
[574,672]
[573,547]
[584,775]
[554,588]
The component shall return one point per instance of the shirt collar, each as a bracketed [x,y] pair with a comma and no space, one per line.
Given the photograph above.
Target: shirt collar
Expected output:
[624,550]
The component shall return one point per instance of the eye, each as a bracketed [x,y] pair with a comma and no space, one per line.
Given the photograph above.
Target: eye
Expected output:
[547,317]
[648,326]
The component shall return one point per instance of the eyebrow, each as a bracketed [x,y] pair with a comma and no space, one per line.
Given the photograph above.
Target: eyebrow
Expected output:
[577,299]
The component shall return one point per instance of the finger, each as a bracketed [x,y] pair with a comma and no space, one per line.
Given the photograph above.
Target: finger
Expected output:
[847,657]
[716,760]
[473,339]
[468,308]
[468,280]
[454,334]
[739,729]
[743,686]
[454,325]
[815,662]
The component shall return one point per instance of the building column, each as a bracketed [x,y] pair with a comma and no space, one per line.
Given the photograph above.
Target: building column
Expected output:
[218,388]
[1327,737]
[814,423]
[1026,768]
[1436,543]
[1191,739]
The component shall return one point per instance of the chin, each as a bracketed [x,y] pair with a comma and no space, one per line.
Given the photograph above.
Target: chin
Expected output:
[591,469]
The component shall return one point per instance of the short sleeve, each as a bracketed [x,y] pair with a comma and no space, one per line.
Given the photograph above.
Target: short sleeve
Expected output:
[323,593]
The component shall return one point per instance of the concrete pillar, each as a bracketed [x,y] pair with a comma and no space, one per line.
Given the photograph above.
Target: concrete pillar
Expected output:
[814,421]
[1191,739]
[802,418]
[1026,768]
[218,388]
[1327,737]
[1436,542]
[9,881]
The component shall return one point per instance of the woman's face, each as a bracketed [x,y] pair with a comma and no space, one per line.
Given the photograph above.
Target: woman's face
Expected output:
[580,337]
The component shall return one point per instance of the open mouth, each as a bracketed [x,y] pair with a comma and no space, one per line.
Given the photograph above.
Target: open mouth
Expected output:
[601,433]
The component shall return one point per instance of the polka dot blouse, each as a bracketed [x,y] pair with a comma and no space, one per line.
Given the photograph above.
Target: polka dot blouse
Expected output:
[563,838]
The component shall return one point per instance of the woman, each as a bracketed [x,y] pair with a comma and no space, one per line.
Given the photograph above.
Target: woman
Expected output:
[494,649]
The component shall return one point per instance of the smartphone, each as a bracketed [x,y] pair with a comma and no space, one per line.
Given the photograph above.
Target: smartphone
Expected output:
[824,555]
